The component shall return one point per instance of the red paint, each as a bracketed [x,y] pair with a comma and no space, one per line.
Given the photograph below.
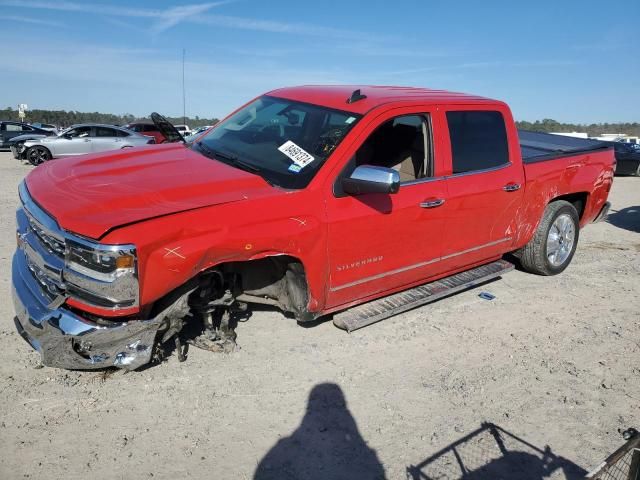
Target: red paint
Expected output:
[146,129]
[168,198]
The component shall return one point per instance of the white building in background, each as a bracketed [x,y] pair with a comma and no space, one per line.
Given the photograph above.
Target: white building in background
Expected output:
[606,137]
[572,134]
[617,137]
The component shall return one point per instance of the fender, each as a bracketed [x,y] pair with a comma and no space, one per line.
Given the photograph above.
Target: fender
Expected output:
[174,249]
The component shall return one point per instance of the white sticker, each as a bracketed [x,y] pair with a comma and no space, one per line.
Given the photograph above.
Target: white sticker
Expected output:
[350,120]
[299,155]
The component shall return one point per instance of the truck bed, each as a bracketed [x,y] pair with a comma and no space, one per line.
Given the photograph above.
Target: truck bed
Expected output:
[539,146]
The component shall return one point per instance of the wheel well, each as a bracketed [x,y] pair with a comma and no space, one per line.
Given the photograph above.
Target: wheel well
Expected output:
[578,200]
[276,280]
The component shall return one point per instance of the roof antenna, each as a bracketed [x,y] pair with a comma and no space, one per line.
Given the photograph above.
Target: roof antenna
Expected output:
[355,96]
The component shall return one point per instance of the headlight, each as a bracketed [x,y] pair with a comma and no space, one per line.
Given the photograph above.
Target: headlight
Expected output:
[102,275]
[102,262]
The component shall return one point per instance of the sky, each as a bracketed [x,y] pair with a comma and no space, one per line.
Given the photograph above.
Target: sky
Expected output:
[573,61]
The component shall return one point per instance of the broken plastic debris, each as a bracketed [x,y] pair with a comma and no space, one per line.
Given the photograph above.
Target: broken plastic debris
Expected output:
[486,296]
[123,358]
[98,358]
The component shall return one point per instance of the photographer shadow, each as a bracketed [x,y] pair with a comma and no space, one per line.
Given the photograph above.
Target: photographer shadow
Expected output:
[327,444]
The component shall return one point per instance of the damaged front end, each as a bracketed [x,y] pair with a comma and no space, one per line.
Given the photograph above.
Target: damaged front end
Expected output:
[66,340]
[55,270]
[52,265]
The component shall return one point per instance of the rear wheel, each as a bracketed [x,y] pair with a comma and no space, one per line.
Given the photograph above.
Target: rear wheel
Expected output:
[552,247]
[37,155]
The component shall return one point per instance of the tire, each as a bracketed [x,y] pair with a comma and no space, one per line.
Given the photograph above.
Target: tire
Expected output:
[37,155]
[552,247]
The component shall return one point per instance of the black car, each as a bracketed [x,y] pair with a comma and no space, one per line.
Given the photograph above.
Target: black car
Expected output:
[9,130]
[627,158]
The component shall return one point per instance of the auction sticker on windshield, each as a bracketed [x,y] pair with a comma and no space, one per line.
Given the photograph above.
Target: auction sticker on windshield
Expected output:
[297,154]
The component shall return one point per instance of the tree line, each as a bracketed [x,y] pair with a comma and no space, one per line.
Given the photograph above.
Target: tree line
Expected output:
[63,118]
[593,129]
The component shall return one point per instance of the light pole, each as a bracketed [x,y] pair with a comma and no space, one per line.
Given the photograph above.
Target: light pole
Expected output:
[184,95]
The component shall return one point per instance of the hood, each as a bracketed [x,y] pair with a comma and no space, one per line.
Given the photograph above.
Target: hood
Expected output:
[26,136]
[167,129]
[93,194]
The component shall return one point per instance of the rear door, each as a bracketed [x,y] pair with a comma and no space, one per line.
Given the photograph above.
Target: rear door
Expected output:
[105,139]
[485,187]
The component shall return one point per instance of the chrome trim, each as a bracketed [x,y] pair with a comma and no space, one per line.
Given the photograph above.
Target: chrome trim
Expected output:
[483,170]
[416,265]
[419,181]
[479,247]
[511,187]
[432,203]
[66,340]
[40,237]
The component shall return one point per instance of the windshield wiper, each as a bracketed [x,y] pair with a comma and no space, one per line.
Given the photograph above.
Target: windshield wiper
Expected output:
[229,158]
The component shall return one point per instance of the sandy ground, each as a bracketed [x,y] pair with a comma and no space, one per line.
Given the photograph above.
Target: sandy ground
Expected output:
[551,362]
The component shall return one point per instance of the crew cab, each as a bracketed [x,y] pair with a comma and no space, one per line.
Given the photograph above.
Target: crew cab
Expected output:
[316,199]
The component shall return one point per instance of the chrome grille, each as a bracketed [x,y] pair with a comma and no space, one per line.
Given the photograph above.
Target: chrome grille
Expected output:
[47,283]
[49,242]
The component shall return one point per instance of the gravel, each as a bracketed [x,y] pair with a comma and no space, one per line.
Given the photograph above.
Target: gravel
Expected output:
[550,362]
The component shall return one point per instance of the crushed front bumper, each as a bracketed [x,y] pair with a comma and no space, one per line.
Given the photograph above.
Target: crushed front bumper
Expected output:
[18,152]
[66,340]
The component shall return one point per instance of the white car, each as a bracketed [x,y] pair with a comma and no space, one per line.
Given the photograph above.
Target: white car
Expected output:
[79,140]
[183,129]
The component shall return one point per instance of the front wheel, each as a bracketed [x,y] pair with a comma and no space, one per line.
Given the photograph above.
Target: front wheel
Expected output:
[37,155]
[552,247]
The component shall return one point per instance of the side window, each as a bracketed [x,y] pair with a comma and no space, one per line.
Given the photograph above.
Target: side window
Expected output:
[403,144]
[121,133]
[478,140]
[148,128]
[12,127]
[105,132]
[79,132]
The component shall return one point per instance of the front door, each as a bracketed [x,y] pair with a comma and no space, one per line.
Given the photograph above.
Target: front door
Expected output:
[74,142]
[379,242]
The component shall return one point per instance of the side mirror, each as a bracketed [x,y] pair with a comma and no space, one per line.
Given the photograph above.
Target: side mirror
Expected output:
[370,179]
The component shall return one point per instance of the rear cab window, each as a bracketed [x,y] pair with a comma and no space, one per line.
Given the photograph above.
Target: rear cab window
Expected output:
[478,140]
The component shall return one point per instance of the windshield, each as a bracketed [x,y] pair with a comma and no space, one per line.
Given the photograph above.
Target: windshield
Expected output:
[283,141]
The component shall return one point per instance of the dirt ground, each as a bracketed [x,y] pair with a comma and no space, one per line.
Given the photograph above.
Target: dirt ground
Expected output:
[550,367]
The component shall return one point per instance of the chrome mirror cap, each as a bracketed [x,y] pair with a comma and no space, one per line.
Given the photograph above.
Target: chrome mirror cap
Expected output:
[371,179]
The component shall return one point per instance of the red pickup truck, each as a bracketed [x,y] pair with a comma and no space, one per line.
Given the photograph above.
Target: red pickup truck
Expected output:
[358,201]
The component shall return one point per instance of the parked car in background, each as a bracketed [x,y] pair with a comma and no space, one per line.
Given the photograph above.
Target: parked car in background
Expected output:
[199,130]
[147,129]
[9,130]
[81,139]
[45,126]
[183,129]
[627,158]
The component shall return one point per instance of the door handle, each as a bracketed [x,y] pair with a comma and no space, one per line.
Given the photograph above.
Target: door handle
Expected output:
[87,140]
[432,203]
[511,187]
